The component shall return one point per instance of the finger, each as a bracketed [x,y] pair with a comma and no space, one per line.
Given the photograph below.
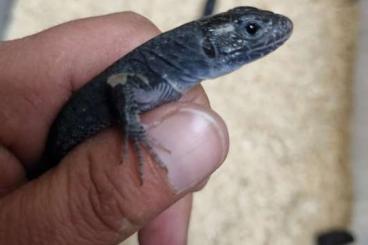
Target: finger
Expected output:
[196,95]
[39,73]
[170,227]
[12,173]
[94,198]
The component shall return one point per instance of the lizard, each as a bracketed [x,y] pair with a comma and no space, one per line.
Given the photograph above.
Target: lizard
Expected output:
[161,70]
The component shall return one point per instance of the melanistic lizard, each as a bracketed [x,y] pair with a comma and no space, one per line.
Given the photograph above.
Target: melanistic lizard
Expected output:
[162,70]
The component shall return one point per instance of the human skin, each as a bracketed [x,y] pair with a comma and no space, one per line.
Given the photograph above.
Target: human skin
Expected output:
[91,197]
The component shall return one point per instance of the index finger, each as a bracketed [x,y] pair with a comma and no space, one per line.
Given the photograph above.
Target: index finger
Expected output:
[39,73]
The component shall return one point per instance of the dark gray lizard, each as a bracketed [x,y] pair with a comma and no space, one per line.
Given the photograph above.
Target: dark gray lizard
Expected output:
[162,70]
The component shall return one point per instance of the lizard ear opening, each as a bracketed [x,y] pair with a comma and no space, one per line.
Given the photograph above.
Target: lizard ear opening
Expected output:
[208,48]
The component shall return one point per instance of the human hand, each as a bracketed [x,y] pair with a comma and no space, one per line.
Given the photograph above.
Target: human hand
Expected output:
[90,197]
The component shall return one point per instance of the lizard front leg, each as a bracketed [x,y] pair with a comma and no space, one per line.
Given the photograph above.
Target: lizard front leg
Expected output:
[128,114]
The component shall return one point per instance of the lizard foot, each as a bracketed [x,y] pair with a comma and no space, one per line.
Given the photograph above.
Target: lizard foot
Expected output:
[140,142]
[128,110]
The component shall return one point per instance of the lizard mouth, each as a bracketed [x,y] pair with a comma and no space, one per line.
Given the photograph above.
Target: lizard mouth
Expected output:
[272,45]
[241,55]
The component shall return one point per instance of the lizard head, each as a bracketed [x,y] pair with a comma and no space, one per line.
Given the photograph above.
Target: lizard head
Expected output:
[241,35]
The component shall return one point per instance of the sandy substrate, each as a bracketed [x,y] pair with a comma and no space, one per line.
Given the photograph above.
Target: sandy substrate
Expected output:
[287,174]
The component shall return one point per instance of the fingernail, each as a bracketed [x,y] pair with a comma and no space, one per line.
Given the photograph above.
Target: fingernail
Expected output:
[196,141]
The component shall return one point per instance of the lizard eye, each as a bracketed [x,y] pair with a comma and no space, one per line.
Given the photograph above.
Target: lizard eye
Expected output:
[252,28]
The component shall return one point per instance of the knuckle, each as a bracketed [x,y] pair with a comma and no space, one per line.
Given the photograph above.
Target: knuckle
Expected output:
[106,195]
[101,206]
[106,200]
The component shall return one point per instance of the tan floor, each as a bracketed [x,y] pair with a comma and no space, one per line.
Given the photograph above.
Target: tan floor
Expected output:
[287,173]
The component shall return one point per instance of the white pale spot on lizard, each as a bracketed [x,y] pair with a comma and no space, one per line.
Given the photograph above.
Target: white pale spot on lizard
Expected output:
[122,78]
[116,79]
[224,29]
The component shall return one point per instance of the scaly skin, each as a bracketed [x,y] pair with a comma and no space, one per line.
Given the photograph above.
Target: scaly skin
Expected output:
[161,70]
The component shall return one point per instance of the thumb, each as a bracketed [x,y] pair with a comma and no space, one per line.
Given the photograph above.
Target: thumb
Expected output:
[94,198]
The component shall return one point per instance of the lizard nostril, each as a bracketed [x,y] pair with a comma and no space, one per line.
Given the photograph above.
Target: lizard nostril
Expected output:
[286,23]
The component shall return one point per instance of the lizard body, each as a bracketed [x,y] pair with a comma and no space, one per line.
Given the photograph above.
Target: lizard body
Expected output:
[161,70]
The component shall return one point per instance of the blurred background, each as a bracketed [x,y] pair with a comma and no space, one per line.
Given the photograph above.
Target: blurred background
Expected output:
[296,118]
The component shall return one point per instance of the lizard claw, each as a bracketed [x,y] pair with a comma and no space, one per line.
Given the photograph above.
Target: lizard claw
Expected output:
[140,142]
